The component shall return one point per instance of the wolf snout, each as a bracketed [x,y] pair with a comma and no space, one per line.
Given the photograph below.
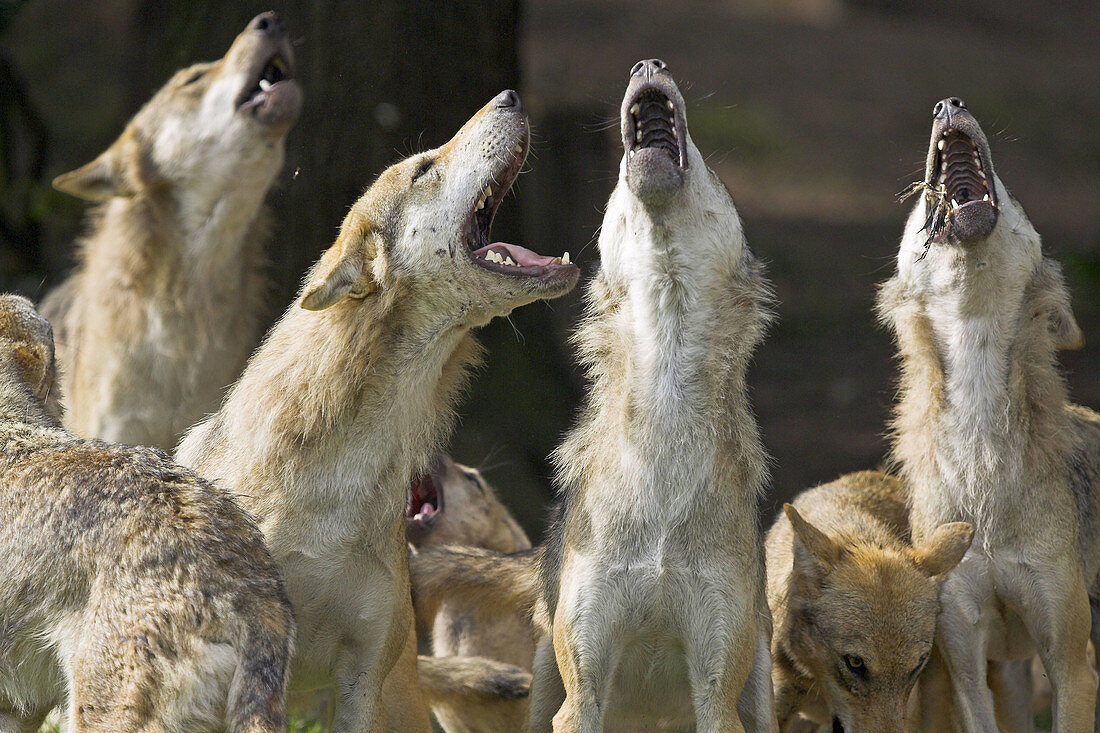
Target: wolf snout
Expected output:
[508,99]
[649,68]
[946,107]
[268,23]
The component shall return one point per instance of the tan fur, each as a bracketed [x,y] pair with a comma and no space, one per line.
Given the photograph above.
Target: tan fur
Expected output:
[354,389]
[984,433]
[132,592]
[653,575]
[469,513]
[846,588]
[163,307]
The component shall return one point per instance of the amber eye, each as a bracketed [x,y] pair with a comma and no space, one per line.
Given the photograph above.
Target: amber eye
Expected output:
[854,663]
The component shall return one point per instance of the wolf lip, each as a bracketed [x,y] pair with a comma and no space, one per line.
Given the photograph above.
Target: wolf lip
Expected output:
[272,95]
[501,257]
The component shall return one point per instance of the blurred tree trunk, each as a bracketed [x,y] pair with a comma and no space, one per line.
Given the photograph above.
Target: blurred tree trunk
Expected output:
[381,79]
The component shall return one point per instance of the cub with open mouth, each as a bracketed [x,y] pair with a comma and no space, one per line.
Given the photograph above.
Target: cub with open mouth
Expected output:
[163,307]
[984,432]
[652,573]
[354,390]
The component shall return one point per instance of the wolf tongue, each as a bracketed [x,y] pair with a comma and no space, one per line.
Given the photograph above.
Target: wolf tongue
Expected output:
[520,255]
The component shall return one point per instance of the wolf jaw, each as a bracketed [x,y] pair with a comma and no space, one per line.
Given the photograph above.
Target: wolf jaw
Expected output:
[654,132]
[958,180]
[267,86]
[425,501]
[501,257]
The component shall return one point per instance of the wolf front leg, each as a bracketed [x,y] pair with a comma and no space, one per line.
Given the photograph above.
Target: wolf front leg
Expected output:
[962,644]
[547,690]
[720,643]
[1058,618]
[587,649]
[364,662]
[756,705]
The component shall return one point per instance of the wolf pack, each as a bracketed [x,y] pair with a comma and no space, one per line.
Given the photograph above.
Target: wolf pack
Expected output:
[196,536]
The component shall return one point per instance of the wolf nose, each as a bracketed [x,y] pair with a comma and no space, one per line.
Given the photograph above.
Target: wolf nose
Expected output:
[508,99]
[648,68]
[945,107]
[268,23]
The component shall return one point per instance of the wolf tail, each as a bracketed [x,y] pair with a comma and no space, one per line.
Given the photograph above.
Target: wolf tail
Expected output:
[257,694]
[478,577]
[466,678]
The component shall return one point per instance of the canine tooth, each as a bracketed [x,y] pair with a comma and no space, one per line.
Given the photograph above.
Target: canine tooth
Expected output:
[565,259]
[954,204]
[634,110]
[265,84]
[508,261]
[986,197]
[940,144]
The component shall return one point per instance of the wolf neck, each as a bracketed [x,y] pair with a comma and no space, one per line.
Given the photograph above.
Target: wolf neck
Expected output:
[180,244]
[667,342]
[982,400]
[331,418]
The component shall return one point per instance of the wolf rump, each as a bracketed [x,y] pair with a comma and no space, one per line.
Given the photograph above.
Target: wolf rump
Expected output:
[163,308]
[131,591]
[985,433]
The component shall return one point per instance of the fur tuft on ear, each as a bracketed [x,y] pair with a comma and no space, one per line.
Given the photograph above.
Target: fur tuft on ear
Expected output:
[944,549]
[103,178]
[344,271]
[824,551]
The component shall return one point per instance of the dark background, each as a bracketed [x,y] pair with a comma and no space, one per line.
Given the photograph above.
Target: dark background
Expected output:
[814,112]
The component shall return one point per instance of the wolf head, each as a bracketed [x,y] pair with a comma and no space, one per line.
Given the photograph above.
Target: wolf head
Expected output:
[213,126]
[452,504]
[423,227]
[665,196]
[967,227]
[27,348]
[864,617]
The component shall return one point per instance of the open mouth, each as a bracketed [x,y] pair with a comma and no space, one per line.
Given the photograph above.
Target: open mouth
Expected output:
[425,500]
[655,123]
[501,257]
[962,200]
[276,70]
[961,173]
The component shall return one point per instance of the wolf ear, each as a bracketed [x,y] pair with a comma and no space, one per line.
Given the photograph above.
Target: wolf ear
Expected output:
[345,269]
[809,540]
[1064,330]
[35,362]
[103,178]
[944,549]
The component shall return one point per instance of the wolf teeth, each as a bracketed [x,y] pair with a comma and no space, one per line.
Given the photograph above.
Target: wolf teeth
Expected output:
[671,106]
[954,204]
[940,144]
[494,257]
[508,261]
[518,149]
[265,84]
[565,259]
[986,197]
[635,109]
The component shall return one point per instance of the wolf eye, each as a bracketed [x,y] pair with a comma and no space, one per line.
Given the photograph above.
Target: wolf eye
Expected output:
[854,663]
[477,481]
[193,78]
[425,166]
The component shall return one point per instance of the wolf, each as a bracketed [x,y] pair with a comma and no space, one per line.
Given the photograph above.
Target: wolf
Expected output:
[164,305]
[984,432]
[453,504]
[132,592]
[853,603]
[354,389]
[652,574]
